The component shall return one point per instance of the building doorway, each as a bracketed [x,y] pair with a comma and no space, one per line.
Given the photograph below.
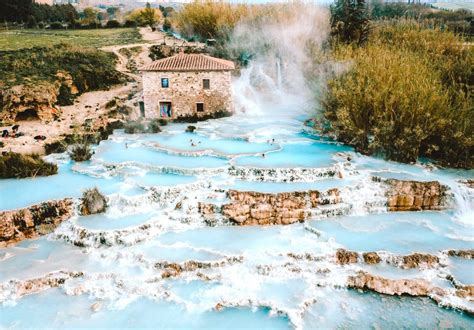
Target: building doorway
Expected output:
[142,108]
[165,110]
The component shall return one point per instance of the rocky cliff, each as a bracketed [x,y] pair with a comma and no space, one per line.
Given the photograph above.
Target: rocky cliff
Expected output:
[38,100]
[33,221]
[406,195]
[252,208]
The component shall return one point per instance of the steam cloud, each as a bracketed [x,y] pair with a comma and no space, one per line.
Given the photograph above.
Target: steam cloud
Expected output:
[281,42]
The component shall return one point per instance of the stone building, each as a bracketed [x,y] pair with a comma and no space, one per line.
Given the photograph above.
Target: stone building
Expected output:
[187,87]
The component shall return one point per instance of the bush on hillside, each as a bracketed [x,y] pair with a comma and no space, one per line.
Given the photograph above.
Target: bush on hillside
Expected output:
[350,21]
[14,165]
[81,152]
[112,24]
[405,95]
[206,19]
[154,126]
[56,26]
[130,23]
[134,127]
[91,69]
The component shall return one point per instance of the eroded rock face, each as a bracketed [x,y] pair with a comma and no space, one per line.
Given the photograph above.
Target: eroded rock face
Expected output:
[37,101]
[416,260]
[466,254]
[415,195]
[371,258]
[412,287]
[344,257]
[256,208]
[19,288]
[466,291]
[33,221]
[173,269]
[30,102]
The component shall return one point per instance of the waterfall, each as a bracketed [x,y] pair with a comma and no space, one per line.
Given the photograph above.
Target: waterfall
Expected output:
[279,76]
[464,199]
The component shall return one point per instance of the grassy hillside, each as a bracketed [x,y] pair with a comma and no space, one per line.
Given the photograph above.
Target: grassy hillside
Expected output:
[29,38]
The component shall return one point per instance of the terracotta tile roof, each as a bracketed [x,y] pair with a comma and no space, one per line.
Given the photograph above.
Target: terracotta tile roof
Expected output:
[190,62]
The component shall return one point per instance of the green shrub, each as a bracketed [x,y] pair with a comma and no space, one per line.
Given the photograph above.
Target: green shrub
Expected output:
[154,126]
[129,23]
[133,127]
[14,165]
[81,152]
[349,21]
[405,95]
[56,26]
[55,147]
[167,25]
[112,24]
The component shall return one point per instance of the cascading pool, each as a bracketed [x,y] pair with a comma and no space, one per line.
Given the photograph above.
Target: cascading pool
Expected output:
[252,281]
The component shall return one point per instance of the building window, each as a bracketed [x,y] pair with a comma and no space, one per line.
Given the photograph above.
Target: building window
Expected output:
[165,83]
[200,107]
[206,83]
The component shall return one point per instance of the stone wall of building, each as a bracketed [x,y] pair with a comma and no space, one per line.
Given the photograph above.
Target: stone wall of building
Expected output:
[185,90]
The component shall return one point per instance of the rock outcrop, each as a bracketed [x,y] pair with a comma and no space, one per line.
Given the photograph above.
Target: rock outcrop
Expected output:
[344,257]
[412,287]
[38,100]
[173,269]
[33,221]
[16,288]
[257,208]
[371,258]
[415,195]
[30,102]
[417,260]
[466,254]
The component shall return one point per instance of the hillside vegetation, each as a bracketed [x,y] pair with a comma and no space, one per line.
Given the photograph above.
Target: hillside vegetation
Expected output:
[29,38]
[407,93]
[41,77]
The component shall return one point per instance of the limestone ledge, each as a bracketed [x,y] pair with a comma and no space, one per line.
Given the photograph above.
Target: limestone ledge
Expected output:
[406,195]
[33,221]
[257,208]
[412,287]
[414,260]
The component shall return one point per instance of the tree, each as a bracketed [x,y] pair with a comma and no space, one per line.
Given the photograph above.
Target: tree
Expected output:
[32,24]
[145,17]
[149,15]
[112,11]
[349,21]
[166,11]
[89,15]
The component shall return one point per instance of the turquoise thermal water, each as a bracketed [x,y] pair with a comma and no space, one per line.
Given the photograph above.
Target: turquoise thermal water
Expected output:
[249,277]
